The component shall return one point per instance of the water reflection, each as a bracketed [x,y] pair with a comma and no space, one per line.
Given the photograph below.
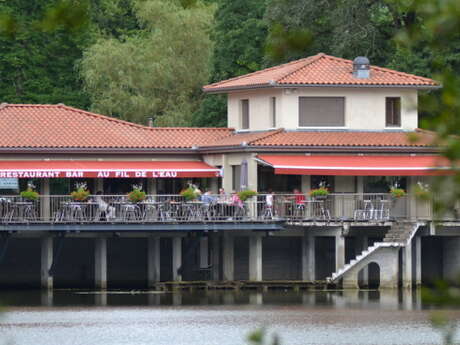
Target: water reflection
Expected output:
[337,299]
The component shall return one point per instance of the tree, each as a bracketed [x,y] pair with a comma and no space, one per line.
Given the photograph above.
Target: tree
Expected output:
[38,52]
[156,71]
[239,37]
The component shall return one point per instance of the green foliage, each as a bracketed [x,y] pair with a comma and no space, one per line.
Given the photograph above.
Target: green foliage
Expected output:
[321,191]
[160,68]
[246,194]
[40,42]
[136,195]
[259,337]
[397,192]
[189,194]
[29,194]
[239,37]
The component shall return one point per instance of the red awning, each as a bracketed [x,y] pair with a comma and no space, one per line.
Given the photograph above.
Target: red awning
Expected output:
[354,165]
[106,169]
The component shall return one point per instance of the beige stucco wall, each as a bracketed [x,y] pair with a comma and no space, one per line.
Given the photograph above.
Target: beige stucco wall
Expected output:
[364,107]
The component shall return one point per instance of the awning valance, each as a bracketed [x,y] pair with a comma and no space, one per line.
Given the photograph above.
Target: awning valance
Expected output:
[106,169]
[357,165]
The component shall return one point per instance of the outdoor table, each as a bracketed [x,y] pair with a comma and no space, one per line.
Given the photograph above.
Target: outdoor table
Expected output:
[76,211]
[21,211]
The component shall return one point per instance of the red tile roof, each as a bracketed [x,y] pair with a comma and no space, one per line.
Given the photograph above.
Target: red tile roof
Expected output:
[60,126]
[321,70]
[281,138]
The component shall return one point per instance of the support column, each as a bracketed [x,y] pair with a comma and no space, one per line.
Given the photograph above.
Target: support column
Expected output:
[418,260]
[176,258]
[45,204]
[339,251]
[153,261]
[228,257]
[305,184]
[46,262]
[364,246]
[255,258]
[360,184]
[407,266]
[215,257]
[100,263]
[252,173]
[308,257]
[228,174]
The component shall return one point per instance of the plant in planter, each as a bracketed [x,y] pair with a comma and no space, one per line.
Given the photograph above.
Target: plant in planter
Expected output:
[136,195]
[81,192]
[321,192]
[246,194]
[189,194]
[422,191]
[397,192]
[29,194]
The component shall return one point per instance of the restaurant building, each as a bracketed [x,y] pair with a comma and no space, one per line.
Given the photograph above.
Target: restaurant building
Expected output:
[317,122]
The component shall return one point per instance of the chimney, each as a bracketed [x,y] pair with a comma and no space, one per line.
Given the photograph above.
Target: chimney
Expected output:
[150,122]
[361,67]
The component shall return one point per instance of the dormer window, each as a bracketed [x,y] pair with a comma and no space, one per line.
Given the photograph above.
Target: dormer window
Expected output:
[244,113]
[393,111]
[273,112]
[321,111]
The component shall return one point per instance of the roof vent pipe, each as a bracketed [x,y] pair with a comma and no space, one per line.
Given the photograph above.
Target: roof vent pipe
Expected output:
[150,122]
[361,67]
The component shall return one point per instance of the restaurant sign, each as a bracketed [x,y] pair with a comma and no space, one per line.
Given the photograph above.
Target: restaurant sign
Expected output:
[15,174]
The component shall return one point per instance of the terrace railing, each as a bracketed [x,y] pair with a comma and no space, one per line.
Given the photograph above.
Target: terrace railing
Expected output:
[175,209]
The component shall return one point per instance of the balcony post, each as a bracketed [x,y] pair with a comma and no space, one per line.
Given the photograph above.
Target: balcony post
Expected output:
[45,202]
[305,183]
[100,263]
[46,263]
[98,185]
[153,261]
[151,186]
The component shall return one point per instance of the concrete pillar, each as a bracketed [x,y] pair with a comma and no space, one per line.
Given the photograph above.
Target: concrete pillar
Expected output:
[339,251]
[46,297]
[411,199]
[45,201]
[407,266]
[252,172]
[101,299]
[360,184]
[389,265]
[305,184]
[153,261]
[151,186]
[176,258]
[228,257]
[364,246]
[308,257]
[255,258]
[256,298]
[215,257]
[100,263]
[418,260]
[46,262]
[98,185]
[227,179]
[204,252]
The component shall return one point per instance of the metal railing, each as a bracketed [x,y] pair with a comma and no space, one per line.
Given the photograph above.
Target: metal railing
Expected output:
[213,208]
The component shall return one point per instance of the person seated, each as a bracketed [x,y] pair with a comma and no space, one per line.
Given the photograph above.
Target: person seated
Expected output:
[104,206]
[299,198]
[223,197]
[207,197]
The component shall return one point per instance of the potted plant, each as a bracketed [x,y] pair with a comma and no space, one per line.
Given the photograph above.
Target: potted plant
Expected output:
[246,194]
[422,191]
[81,192]
[137,194]
[29,194]
[189,194]
[321,192]
[397,192]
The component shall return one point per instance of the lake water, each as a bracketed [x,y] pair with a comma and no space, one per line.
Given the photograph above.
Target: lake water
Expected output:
[215,318]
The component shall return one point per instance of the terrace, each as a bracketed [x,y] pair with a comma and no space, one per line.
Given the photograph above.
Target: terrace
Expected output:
[164,212]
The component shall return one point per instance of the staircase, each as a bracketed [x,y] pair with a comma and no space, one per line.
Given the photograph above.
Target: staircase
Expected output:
[399,235]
